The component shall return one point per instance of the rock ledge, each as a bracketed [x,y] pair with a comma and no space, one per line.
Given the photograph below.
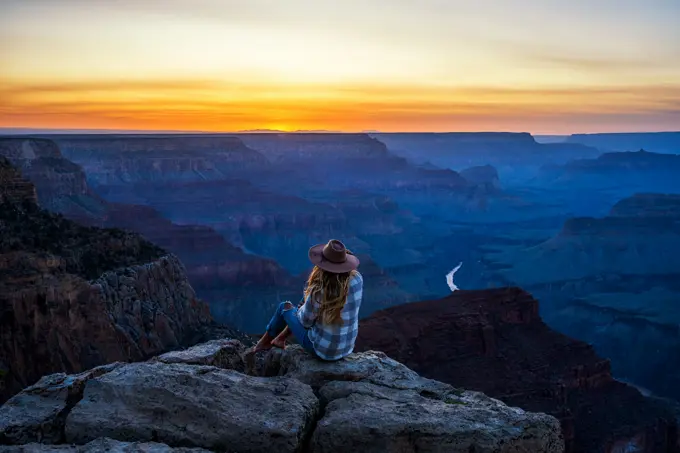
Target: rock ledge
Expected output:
[210,397]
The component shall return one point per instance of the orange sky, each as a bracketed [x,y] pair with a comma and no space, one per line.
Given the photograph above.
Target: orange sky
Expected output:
[226,65]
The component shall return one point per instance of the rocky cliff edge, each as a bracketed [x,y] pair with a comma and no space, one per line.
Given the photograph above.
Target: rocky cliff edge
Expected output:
[211,397]
[74,297]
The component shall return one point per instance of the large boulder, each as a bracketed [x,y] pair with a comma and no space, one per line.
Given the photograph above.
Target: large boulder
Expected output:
[372,366]
[375,404]
[193,405]
[365,417]
[38,413]
[225,353]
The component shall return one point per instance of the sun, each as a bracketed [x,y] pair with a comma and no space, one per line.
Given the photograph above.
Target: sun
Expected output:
[280,127]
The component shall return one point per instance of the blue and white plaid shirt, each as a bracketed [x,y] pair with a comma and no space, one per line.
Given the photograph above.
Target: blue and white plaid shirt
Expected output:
[334,341]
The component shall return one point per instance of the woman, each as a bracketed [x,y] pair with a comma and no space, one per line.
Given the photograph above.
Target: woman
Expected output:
[327,323]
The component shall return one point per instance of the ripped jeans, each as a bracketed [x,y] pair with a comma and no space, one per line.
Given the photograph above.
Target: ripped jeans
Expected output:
[288,317]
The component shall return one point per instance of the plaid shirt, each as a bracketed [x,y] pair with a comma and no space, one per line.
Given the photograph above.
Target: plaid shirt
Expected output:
[334,341]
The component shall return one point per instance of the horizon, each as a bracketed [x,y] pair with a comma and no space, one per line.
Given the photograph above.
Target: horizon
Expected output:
[28,131]
[214,66]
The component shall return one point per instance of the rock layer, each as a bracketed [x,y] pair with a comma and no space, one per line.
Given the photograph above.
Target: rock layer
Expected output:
[124,159]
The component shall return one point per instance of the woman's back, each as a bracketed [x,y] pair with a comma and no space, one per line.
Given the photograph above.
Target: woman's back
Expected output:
[334,340]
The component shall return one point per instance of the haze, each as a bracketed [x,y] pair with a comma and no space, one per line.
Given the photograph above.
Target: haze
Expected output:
[550,67]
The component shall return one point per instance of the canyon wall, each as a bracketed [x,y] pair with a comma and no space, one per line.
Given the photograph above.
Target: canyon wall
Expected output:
[517,156]
[658,142]
[613,281]
[73,297]
[113,160]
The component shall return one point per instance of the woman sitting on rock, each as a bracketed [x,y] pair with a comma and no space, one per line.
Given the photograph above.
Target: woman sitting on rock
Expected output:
[327,322]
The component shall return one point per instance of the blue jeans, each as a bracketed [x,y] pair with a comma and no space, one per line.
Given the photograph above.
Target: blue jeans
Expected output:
[283,317]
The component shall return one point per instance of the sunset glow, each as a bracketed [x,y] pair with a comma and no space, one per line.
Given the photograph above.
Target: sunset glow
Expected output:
[394,65]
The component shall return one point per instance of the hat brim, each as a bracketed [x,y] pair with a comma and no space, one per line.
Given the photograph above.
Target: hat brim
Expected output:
[316,257]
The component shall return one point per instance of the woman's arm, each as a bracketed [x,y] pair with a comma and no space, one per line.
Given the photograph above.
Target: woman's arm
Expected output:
[308,313]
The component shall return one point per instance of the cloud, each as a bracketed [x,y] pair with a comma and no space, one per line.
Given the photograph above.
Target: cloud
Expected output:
[18,88]
[618,57]
[212,93]
[619,66]
[209,104]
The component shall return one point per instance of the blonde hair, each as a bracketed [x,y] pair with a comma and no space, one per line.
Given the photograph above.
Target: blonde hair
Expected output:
[333,289]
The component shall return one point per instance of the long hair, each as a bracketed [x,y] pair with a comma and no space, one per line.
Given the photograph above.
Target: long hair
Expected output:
[331,292]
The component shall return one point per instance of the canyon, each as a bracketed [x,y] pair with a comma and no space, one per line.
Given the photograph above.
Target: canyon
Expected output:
[612,281]
[590,233]
[494,341]
[73,297]
[261,212]
[218,270]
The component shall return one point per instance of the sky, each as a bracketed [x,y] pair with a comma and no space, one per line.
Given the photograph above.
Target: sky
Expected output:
[545,67]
